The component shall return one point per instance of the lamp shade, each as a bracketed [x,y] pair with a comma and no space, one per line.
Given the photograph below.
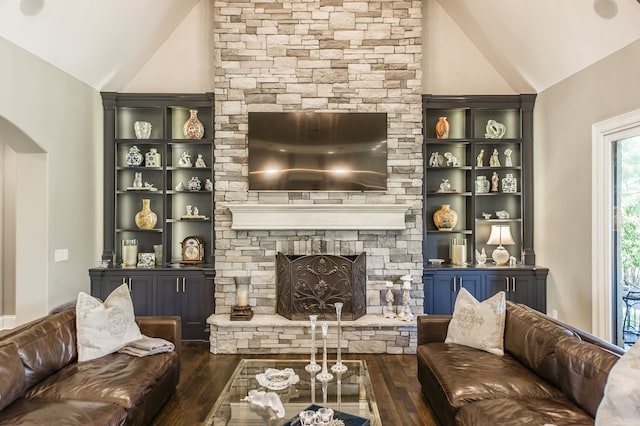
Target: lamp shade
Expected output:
[501,235]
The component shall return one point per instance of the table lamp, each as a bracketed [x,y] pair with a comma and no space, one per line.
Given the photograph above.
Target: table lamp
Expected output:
[500,234]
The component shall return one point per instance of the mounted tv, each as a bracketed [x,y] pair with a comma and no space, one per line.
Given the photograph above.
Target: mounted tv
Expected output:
[317,151]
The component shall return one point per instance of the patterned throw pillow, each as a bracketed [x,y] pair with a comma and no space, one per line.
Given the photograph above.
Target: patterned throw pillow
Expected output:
[478,325]
[103,328]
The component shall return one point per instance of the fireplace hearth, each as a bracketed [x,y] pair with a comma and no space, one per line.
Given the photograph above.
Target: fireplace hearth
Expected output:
[312,284]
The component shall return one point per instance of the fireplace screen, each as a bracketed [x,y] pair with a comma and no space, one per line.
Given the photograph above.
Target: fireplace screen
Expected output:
[313,284]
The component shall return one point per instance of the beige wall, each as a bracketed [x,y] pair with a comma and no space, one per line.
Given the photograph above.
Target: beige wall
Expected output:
[563,117]
[54,123]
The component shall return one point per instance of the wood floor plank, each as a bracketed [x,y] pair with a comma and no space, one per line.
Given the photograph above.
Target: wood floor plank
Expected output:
[204,375]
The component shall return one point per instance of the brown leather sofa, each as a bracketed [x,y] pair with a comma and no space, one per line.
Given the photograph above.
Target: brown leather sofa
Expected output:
[41,382]
[550,373]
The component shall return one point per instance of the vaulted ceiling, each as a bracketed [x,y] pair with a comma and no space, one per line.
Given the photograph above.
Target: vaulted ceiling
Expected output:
[531,44]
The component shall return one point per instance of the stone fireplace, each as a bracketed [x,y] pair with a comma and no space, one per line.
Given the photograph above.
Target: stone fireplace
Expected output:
[322,55]
[307,285]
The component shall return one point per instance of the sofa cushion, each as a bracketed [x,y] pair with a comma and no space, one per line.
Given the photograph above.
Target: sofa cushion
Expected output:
[103,328]
[69,413]
[13,380]
[584,369]
[532,340]
[528,411]
[467,375]
[117,378]
[476,324]
[619,406]
[46,345]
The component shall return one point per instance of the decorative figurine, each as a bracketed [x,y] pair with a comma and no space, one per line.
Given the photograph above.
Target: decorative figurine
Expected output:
[502,214]
[445,186]
[481,257]
[480,158]
[486,215]
[388,310]
[185,159]
[200,161]
[494,161]
[494,182]
[507,157]
[452,161]
[495,130]
[436,159]
[196,212]
[180,186]
[189,211]
[137,180]
[208,185]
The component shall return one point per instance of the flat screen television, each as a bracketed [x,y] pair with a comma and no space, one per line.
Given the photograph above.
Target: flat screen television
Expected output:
[317,151]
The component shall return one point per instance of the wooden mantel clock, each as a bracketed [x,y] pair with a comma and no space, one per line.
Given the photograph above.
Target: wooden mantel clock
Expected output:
[192,250]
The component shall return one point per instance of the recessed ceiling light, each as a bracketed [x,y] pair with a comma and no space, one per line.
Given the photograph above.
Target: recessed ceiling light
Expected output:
[606,9]
[31,7]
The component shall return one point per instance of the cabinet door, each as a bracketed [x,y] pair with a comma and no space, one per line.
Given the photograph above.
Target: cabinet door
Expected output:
[188,296]
[518,286]
[140,287]
[447,285]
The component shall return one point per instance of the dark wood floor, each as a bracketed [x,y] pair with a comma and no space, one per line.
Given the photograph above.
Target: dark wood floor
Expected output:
[204,375]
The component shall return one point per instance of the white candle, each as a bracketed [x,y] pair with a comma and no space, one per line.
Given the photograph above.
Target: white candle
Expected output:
[458,254]
[389,284]
[130,255]
[243,298]
[407,285]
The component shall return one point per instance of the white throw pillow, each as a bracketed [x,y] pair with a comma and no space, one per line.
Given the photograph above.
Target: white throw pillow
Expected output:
[103,328]
[478,325]
[620,405]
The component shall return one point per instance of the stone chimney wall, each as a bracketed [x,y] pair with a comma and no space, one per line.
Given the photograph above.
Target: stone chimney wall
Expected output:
[318,55]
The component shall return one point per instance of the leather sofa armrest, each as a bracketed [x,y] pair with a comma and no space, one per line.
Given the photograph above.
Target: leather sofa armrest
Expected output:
[432,328]
[165,327]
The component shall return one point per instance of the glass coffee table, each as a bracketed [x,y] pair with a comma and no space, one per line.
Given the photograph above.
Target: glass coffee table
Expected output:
[350,394]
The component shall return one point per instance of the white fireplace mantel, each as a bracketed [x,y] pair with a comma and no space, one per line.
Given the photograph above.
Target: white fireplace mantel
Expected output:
[318,216]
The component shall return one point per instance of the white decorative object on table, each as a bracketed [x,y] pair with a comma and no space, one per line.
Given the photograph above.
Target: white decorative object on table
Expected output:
[486,215]
[185,159]
[445,186]
[152,158]
[275,379]
[200,161]
[208,185]
[313,367]
[180,186]
[388,310]
[339,367]
[266,400]
[406,314]
[502,214]
[324,376]
[495,130]
[133,158]
[142,129]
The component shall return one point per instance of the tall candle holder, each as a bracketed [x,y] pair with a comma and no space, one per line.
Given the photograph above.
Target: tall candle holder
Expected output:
[406,314]
[324,375]
[339,366]
[313,367]
[388,310]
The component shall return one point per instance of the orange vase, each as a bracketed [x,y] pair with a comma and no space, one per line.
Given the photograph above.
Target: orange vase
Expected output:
[445,218]
[145,218]
[442,128]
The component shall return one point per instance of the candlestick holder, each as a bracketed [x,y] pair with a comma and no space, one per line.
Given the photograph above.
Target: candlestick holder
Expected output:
[388,310]
[339,366]
[313,367]
[406,314]
[324,375]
